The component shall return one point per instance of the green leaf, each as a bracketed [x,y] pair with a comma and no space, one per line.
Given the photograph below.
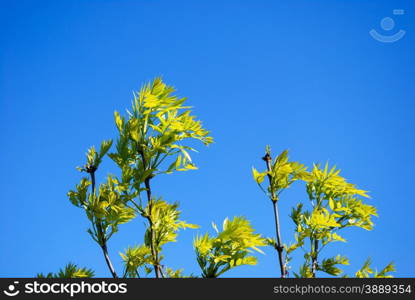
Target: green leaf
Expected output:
[337,237]
[230,247]
[384,273]
[69,271]
[105,146]
[282,173]
[134,258]
[329,265]
[258,177]
[134,129]
[165,220]
[119,121]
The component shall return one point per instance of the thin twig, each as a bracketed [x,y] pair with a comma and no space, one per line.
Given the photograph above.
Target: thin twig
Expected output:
[274,198]
[279,246]
[153,249]
[108,260]
[314,258]
[101,235]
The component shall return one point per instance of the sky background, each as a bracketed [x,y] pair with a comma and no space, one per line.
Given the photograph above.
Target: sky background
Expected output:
[302,75]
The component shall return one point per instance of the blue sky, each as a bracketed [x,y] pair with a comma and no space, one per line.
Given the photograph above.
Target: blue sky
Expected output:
[302,75]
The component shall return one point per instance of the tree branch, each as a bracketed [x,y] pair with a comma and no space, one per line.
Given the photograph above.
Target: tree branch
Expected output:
[314,259]
[101,235]
[154,254]
[274,198]
[108,260]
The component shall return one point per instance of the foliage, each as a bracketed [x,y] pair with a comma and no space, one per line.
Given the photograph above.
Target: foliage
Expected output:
[156,137]
[106,210]
[153,139]
[366,271]
[69,271]
[335,204]
[158,128]
[134,258]
[94,158]
[165,220]
[230,248]
[282,173]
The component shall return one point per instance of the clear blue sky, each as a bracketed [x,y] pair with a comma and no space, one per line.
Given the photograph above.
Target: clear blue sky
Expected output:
[302,75]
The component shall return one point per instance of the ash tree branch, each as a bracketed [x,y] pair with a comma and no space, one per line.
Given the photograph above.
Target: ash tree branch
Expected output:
[101,234]
[274,198]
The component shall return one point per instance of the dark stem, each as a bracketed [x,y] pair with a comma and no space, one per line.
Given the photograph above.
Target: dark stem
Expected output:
[101,235]
[314,259]
[314,244]
[108,260]
[150,221]
[279,247]
[91,171]
[154,254]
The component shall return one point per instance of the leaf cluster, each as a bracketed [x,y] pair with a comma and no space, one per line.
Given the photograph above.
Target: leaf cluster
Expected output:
[69,271]
[366,271]
[230,247]
[281,173]
[165,222]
